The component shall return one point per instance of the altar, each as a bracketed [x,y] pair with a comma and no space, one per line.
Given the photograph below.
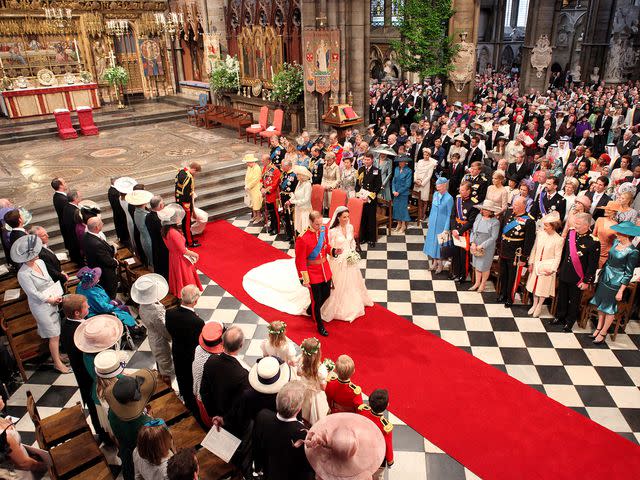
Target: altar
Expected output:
[29,102]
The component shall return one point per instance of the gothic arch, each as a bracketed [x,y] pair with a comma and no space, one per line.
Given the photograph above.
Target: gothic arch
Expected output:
[484,57]
[507,57]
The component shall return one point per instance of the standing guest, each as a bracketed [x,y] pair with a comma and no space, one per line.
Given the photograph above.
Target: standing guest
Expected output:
[598,197]
[154,448]
[5,207]
[182,270]
[479,182]
[581,205]
[422,181]
[42,295]
[184,325]
[252,186]
[301,200]
[140,200]
[438,224]
[210,343]
[316,166]
[483,238]
[154,227]
[627,213]
[313,374]
[330,177]
[76,309]
[270,186]
[368,186]
[69,226]
[549,200]
[401,190]
[124,185]
[99,301]
[615,277]
[183,465]
[101,254]
[119,217]
[519,169]
[88,209]
[342,394]
[385,165]
[544,261]
[277,344]
[277,153]
[577,271]
[48,257]
[348,177]
[584,179]
[456,174]
[463,216]
[185,195]
[378,403]
[602,230]
[497,192]
[288,183]
[60,199]
[518,236]
[275,436]
[525,190]
[335,148]
[569,194]
[148,291]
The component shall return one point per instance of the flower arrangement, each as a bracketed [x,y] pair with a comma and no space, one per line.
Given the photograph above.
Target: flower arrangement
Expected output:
[288,86]
[329,364]
[353,258]
[116,75]
[225,74]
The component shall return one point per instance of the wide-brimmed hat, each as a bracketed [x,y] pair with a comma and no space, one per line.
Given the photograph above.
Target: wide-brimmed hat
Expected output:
[611,205]
[250,158]
[98,333]
[402,158]
[627,228]
[503,119]
[441,180]
[129,395]
[384,148]
[26,215]
[457,104]
[460,138]
[26,248]
[89,205]
[138,198]
[149,288]
[171,214]
[89,277]
[584,200]
[125,184]
[551,217]
[345,446]
[268,375]
[109,363]
[211,337]
[489,205]
[302,171]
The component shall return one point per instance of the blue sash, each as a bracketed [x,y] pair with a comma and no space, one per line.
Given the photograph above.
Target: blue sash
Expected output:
[513,223]
[459,208]
[316,251]
[543,210]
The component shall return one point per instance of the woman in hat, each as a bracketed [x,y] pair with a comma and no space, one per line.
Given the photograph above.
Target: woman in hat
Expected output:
[148,292]
[438,224]
[401,189]
[277,344]
[43,294]
[484,234]
[301,199]
[422,180]
[512,187]
[614,277]
[581,205]
[385,164]
[209,343]
[544,261]
[602,229]
[182,270]
[140,200]
[154,448]
[498,151]
[458,147]
[313,374]
[252,184]
[330,177]
[87,210]
[97,298]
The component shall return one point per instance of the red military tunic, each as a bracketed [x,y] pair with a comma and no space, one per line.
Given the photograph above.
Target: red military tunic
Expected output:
[338,151]
[343,396]
[271,182]
[385,427]
[313,270]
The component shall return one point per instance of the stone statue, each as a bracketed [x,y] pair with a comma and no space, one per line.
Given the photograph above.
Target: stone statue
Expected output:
[389,73]
[100,58]
[595,76]
[322,57]
[541,55]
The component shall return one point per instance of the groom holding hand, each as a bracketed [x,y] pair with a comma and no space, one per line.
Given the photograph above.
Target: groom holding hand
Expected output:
[312,248]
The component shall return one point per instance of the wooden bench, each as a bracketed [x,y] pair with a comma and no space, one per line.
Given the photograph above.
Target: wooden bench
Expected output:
[59,427]
[78,457]
[24,341]
[229,117]
[384,215]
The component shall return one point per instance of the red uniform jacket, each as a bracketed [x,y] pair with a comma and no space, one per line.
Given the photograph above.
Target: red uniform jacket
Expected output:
[343,396]
[338,150]
[271,182]
[316,269]
[385,427]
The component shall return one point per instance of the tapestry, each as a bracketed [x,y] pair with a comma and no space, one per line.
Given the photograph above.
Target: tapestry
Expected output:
[321,60]
[27,55]
[259,53]
[211,50]
[151,57]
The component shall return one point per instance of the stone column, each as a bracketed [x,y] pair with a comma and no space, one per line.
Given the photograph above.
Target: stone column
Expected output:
[596,37]
[465,19]
[216,21]
[621,55]
[357,26]
[539,22]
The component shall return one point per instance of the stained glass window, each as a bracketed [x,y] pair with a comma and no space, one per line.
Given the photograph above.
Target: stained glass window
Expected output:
[396,20]
[377,13]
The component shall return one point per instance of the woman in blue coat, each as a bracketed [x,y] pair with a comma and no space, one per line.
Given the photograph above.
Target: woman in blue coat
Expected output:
[401,189]
[98,300]
[439,219]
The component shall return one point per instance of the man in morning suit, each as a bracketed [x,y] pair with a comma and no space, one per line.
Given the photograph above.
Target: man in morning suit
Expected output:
[48,257]
[185,195]
[369,179]
[463,215]
[13,219]
[518,235]
[71,209]
[59,198]
[101,253]
[598,197]
[184,325]
[549,200]
[154,227]
[119,215]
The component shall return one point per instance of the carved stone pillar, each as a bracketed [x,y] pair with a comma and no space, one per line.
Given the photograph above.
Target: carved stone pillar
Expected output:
[540,22]
[465,20]
[216,21]
[596,37]
[621,56]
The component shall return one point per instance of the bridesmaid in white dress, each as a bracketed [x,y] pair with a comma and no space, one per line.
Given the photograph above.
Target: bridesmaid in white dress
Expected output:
[349,295]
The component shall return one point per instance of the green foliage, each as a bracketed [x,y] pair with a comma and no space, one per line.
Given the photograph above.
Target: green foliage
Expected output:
[424,46]
[288,86]
[224,74]
[116,76]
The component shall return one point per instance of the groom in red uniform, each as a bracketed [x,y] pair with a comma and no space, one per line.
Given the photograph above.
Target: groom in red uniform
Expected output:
[312,248]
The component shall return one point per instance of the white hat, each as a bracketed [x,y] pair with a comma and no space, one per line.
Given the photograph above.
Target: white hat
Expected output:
[301,171]
[171,214]
[98,333]
[149,288]
[250,158]
[26,248]
[125,184]
[89,205]
[268,375]
[109,363]
[138,198]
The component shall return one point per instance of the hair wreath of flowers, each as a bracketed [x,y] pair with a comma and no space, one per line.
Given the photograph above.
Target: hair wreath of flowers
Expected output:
[276,331]
[311,351]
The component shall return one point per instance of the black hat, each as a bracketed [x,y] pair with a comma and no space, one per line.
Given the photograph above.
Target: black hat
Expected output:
[127,389]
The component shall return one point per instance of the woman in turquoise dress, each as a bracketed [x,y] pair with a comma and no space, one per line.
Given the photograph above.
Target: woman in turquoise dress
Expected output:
[614,277]
[401,189]
[439,220]
[97,298]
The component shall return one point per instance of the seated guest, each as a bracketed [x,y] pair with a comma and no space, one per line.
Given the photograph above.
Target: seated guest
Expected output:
[48,257]
[378,403]
[210,344]
[154,227]
[277,344]
[275,434]
[99,301]
[183,465]
[153,450]
[342,394]
[101,254]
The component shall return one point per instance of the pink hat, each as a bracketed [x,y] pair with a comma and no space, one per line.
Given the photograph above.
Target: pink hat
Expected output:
[211,337]
[584,200]
[345,446]
[98,333]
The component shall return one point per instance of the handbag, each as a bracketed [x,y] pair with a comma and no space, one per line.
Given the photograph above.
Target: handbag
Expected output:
[247,199]
[446,244]
[479,252]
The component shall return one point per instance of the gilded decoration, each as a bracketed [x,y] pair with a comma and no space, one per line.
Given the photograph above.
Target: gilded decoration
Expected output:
[541,55]
[260,54]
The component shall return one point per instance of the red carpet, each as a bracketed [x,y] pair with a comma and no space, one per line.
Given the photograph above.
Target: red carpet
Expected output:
[496,426]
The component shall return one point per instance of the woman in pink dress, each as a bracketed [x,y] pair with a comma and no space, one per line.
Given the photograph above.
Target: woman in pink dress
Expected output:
[182,270]
[349,295]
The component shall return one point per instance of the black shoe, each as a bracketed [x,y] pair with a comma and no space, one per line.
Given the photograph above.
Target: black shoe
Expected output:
[194,245]
[372,244]
[500,298]
[362,242]
[457,279]
[557,321]
[508,304]
[292,244]
[322,331]
[272,232]
[568,329]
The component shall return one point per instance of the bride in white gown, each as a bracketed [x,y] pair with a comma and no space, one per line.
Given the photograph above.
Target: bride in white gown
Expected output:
[349,295]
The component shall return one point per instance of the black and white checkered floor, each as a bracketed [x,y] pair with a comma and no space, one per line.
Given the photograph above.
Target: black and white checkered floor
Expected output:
[600,382]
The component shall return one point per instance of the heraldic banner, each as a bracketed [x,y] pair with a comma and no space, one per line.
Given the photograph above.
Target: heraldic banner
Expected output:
[151,57]
[211,43]
[321,60]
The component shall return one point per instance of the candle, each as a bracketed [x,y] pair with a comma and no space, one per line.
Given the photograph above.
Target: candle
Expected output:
[75,44]
[272,71]
[1,66]
[112,57]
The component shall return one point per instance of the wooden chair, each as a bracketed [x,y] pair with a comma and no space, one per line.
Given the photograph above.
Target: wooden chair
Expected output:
[75,457]
[193,110]
[168,407]
[187,433]
[57,428]
[214,468]
[317,197]
[24,341]
[99,471]
[384,215]
[278,117]
[262,121]
[338,199]
[355,206]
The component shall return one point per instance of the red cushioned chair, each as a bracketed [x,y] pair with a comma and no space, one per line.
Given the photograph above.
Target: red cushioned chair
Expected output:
[262,121]
[338,199]
[85,117]
[317,196]
[63,121]
[355,206]
[278,117]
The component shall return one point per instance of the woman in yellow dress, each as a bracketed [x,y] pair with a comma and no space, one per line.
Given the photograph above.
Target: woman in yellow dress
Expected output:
[253,197]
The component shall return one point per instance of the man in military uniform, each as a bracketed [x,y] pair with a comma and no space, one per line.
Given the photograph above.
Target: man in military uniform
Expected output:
[518,235]
[479,182]
[288,183]
[549,200]
[577,270]
[463,215]
[277,153]
[316,165]
[369,179]
[342,394]
[270,190]
[378,403]
[185,194]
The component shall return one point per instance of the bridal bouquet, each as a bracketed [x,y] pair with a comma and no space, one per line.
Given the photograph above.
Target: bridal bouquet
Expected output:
[329,364]
[353,258]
